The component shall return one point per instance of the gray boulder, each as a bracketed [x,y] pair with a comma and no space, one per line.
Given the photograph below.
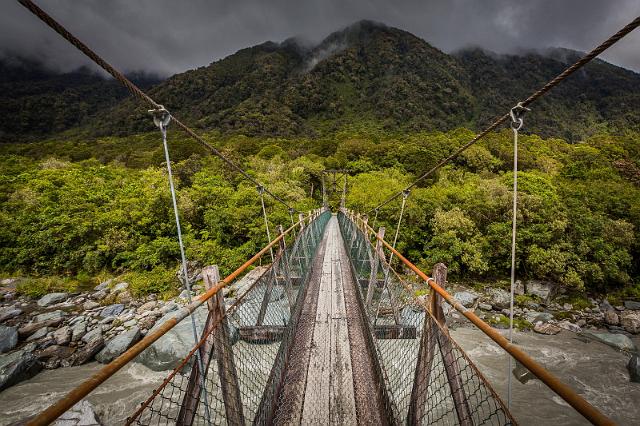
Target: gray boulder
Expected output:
[606,306]
[112,310]
[103,285]
[51,298]
[634,368]
[499,298]
[630,320]
[55,351]
[173,347]
[90,304]
[86,353]
[238,288]
[120,287]
[630,304]
[94,334]
[535,317]
[8,338]
[568,325]
[116,346]
[149,306]
[618,341]
[485,306]
[542,289]
[78,330]
[546,328]
[62,335]
[42,332]
[81,414]
[611,317]
[99,295]
[24,366]
[52,318]
[8,313]
[169,307]
[466,298]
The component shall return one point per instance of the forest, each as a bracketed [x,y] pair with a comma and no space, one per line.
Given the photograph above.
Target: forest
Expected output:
[75,210]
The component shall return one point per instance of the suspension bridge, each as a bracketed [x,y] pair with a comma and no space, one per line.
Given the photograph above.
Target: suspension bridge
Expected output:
[330,331]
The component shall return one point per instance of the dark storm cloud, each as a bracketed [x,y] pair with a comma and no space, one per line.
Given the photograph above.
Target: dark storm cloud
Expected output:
[169,36]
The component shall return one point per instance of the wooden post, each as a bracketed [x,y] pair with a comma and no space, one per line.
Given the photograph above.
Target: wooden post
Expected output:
[217,340]
[301,220]
[446,349]
[224,353]
[377,258]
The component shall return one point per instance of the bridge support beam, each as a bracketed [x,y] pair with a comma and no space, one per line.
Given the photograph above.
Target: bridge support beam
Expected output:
[375,261]
[432,334]
[219,341]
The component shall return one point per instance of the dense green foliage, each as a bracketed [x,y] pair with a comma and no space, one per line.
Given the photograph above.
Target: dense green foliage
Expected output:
[65,213]
[36,101]
[86,203]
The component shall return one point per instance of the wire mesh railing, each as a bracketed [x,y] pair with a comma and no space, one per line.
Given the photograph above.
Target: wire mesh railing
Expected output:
[244,346]
[427,377]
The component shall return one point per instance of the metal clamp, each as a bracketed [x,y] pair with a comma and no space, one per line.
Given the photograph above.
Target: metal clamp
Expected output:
[260,189]
[161,117]
[405,193]
[517,113]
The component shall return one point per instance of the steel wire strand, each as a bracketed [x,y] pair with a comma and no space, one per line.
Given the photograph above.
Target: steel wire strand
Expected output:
[136,91]
[532,98]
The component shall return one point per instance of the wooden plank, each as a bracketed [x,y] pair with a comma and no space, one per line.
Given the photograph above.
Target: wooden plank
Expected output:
[261,333]
[342,398]
[329,391]
[316,403]
[395,332]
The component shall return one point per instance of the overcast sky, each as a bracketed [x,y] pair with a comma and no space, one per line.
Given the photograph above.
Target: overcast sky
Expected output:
[169,36]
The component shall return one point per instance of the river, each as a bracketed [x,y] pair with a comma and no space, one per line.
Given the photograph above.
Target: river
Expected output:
[598,372]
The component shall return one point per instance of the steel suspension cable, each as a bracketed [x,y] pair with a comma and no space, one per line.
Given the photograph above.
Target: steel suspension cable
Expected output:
[405,195]
[135,90]
[532,98]
[161,119]
[266,219]
[517,122]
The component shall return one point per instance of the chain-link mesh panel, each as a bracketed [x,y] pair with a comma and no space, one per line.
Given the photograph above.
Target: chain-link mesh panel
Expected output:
[426,377]
[244,347]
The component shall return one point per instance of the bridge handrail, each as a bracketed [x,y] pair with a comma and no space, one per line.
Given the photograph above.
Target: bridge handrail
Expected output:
[554,383]
[54,411]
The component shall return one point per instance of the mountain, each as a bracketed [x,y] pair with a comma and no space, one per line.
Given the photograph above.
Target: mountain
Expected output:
[368,73]
[600,96]
[40,102]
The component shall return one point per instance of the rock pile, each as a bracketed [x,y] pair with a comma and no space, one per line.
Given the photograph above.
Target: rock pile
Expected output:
[62,329]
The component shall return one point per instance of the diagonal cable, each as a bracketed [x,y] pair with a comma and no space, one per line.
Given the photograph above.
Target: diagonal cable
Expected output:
[135,90]
[544,89]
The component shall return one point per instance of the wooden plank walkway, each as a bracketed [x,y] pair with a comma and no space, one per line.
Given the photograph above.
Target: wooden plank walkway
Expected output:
[322,384]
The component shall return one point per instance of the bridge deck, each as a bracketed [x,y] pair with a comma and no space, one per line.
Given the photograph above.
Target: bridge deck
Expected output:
[330,371]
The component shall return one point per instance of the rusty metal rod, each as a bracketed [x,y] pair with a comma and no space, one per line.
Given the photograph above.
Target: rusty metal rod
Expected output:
[54,411]
[564,391]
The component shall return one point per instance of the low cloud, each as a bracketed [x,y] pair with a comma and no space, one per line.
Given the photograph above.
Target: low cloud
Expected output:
[167,37]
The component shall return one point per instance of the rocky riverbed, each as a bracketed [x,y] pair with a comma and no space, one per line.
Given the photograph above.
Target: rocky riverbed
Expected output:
[80,331]
[70,330]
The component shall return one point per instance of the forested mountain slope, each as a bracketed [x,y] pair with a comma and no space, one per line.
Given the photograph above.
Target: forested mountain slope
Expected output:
[367,73]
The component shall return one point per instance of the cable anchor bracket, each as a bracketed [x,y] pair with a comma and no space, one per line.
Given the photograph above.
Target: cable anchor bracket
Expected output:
[161,117]
[517,115]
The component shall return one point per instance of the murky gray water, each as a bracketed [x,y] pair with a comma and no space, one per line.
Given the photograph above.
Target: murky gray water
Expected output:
[595,370]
